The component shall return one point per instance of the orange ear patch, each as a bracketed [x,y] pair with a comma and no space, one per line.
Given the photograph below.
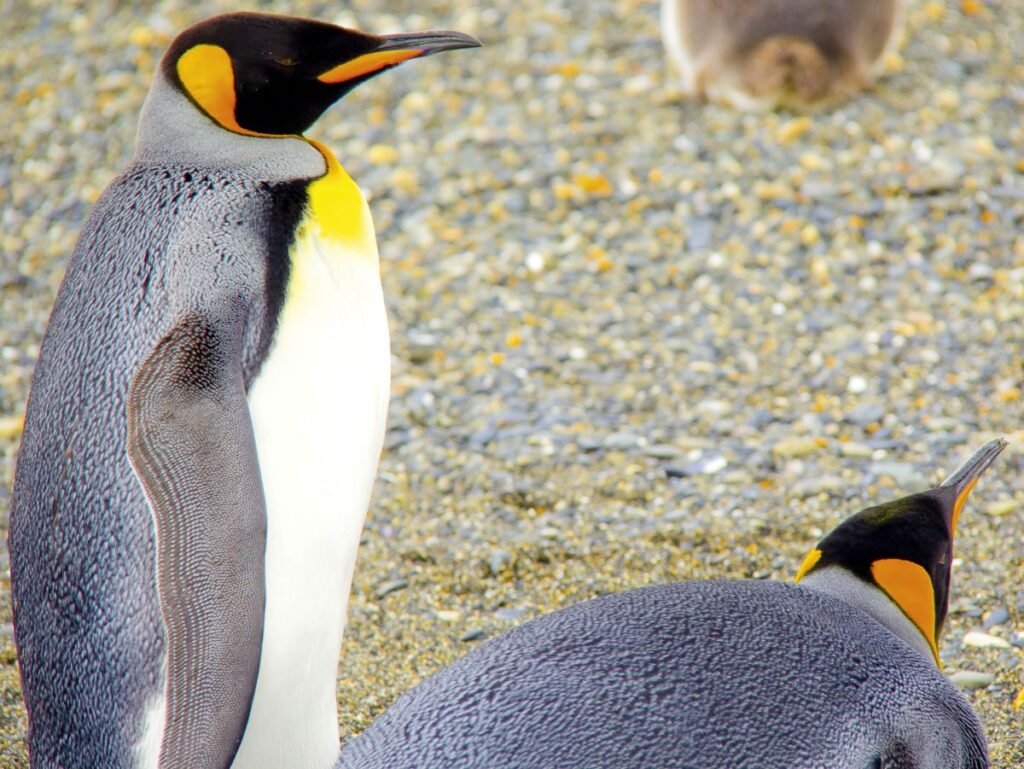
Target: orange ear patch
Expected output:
[809,561]
[367,64]
[208,77]
[910,586]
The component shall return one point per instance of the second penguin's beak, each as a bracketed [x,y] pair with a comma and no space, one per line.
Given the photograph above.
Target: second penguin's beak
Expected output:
[394,49]
[964,478]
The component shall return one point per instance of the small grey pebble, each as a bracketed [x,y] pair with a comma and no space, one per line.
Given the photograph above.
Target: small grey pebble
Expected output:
[904,473]
[948,69]
[391,586]
[995,617]
[810,487]
[497,561]
[865,414]
[679,514]
[395,439]
[510,613]
[663,451]
[979,272]
[699,234]
[709,465]
[972,679]
[622,441]
[481,437]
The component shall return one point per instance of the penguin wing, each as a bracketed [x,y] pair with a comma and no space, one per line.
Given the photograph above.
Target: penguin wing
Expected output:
[191,443]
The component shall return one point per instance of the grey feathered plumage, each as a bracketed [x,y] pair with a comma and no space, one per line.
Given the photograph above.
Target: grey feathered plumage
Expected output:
[745,675]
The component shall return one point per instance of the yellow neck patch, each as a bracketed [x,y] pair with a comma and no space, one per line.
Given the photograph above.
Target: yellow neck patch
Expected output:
[910,586]
[809,561]
[367,64]
[338,207]
[206,74]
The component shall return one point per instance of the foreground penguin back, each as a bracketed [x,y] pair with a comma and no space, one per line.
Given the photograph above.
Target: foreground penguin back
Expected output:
[759,54]
[838,671]
[751,675]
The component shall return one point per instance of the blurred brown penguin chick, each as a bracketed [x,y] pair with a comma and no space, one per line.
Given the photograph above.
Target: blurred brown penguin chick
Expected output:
[760,54]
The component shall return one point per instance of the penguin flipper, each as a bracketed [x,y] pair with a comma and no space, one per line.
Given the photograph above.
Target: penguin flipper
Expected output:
[191,443]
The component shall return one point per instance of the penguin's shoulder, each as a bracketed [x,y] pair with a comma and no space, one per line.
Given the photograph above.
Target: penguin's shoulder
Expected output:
[155,220]
[161,241]
[158,206]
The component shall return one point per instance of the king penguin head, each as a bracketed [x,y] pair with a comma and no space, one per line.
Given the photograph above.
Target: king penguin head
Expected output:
[904,548]
[267,75]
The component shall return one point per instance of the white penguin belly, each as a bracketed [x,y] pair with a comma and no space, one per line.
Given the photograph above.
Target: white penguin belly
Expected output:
[319,406]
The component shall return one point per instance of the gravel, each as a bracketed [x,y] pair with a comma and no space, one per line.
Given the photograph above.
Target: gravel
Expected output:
[636,339]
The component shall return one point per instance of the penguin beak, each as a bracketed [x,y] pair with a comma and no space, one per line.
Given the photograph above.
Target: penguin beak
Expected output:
[964,478]
[394,49]
[427,43]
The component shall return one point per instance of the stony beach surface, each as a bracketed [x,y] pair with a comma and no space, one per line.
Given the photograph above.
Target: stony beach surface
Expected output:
[636,339]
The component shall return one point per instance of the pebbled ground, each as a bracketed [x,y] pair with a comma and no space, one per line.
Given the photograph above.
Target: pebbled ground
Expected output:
[636,339]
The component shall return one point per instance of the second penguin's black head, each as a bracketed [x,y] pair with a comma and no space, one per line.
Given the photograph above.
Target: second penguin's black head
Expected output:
[275,75]
[905,547]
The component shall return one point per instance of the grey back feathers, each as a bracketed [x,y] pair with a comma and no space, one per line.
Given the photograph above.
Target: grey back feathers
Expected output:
[167,241]
[746,675]
[757,54]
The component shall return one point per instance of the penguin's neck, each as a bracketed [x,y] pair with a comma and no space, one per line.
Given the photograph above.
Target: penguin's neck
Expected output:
[843,584]
[319,406]
[174,131]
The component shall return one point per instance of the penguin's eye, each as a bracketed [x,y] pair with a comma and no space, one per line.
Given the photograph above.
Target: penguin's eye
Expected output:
[285,61]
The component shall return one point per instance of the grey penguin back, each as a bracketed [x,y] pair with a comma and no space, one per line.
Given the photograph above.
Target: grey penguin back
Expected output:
[749,675]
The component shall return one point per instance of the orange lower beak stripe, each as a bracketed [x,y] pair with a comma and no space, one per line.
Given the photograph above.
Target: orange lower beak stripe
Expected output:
[367,64]
[959,504]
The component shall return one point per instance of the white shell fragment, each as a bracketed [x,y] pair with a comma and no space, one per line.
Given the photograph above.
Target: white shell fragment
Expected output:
[985,641]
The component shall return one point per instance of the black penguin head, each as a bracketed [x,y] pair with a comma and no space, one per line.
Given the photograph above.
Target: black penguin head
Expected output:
[905,547]
[256,73]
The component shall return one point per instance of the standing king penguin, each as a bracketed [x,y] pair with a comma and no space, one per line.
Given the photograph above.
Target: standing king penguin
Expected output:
[839,671]
[205,420]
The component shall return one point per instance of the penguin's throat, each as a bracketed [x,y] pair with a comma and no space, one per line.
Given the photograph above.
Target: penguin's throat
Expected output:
[848,587]
[337,206]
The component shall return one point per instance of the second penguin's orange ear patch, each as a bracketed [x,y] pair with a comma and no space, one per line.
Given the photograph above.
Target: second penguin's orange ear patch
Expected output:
[910,586]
